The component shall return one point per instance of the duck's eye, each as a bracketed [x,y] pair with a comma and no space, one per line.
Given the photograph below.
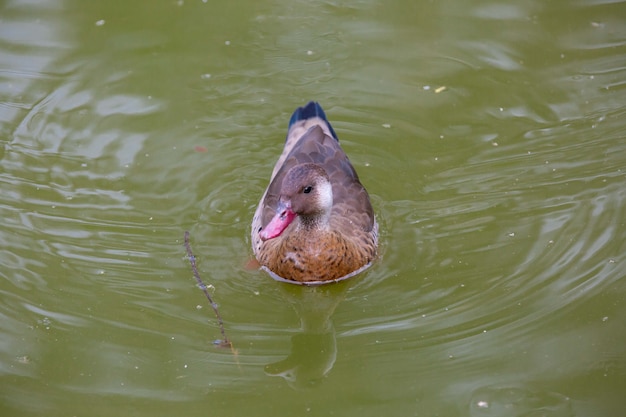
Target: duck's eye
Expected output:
[307,189]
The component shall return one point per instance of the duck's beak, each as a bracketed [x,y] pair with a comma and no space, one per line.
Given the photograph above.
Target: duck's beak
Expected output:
[283,218]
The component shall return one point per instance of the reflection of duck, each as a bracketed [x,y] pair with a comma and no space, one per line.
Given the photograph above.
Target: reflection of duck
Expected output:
[314,350]
[314,222]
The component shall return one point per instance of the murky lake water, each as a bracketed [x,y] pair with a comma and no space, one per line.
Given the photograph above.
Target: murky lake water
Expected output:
[490,136]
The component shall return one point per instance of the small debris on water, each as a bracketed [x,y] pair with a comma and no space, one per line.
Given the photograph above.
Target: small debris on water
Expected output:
[221,343]
[25,360]
[482,404]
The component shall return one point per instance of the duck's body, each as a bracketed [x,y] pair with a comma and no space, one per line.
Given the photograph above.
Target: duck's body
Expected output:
[314,222]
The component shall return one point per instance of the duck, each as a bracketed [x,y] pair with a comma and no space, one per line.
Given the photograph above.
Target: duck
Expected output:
[314,223]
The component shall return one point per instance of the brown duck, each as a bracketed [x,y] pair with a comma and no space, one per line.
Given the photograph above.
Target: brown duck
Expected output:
[315,222]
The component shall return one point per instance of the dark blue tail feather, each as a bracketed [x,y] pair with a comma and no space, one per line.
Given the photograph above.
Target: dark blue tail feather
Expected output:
[311,109]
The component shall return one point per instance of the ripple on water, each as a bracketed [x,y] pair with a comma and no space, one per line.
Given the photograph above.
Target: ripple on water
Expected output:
[546,224]
[500,199]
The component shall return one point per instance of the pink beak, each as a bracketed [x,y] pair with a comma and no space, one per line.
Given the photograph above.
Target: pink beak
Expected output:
[283,218]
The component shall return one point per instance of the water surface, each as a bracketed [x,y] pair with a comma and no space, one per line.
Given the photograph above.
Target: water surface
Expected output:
[490,136]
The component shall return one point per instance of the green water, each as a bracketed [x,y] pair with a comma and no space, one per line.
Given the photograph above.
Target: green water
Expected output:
[490,136]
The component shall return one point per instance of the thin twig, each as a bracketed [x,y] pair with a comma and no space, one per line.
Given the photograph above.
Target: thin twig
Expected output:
[225,342]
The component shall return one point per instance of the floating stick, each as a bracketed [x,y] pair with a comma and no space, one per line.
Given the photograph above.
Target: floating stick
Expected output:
[225,342]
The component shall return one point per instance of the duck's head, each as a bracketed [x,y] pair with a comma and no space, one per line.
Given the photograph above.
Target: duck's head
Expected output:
[306,194]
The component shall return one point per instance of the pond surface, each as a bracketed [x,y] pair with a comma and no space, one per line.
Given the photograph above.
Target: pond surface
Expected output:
[490,136]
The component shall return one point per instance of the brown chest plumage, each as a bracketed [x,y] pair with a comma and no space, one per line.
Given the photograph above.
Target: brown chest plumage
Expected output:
[323,256]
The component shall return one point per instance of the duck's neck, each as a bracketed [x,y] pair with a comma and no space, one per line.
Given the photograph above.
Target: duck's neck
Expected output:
[313,224]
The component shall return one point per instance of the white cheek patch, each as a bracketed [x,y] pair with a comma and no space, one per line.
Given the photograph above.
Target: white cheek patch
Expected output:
[326,195]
